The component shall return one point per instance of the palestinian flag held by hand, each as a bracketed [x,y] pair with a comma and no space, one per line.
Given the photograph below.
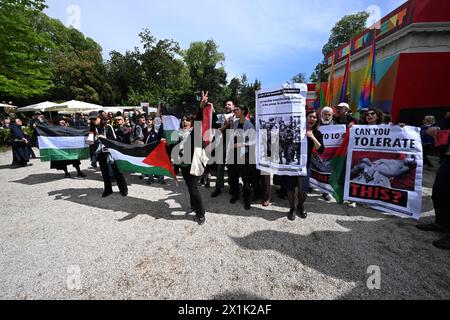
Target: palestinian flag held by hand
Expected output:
[171,127]
[338,166]
[58,143]
[145,159]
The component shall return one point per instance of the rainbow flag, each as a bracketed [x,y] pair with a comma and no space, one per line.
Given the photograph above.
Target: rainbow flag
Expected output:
[329,97]
[368,89]
[345,91]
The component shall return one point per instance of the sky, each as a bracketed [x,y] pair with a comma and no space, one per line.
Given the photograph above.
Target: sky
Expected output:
[269,40]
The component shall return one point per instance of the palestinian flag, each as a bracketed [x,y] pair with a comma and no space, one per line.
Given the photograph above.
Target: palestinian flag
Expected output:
[338,165]
[58,143]
[171,125]
[145,159]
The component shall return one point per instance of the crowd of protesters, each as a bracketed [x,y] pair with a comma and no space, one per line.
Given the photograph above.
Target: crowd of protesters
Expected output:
[236,152]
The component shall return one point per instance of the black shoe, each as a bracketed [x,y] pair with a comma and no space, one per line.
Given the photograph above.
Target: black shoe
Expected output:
[443,243]
[234,199]
[302,212]
[431,227]
[216,193]
[291,215]
[124,194]
[106,194]
[326,197]
[247,205]
[81,175]
[200,221]
[67,175]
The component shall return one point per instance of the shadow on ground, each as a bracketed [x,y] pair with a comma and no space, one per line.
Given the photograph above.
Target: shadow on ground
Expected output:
[408,262]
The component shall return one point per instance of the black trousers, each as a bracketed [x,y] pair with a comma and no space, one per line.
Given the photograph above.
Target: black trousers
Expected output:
[194,193]
[120,179]
[441,194]
[236,171]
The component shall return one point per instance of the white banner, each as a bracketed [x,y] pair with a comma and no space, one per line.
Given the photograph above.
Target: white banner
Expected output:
[281,130]
[333,135]
[384,168]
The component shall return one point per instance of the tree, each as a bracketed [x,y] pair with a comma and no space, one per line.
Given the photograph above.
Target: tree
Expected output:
[299,78]
[25,69]
[206,70]
[344,30]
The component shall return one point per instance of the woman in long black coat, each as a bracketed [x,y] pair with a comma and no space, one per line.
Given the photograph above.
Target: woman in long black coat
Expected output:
[20,145]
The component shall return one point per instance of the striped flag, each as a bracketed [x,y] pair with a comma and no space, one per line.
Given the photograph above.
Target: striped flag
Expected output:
[345,92]
[145,159]
[58,143]
[368,89]
[171,125]
[330,90]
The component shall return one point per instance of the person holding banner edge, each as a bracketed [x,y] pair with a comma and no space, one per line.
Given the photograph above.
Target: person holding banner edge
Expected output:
[315,140]
[441,192]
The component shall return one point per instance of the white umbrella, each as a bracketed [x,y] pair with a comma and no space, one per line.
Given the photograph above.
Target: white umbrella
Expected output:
[43,106]
[74,106]
[2,105]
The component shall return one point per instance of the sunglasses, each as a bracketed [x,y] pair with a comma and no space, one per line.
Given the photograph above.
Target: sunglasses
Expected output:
[370,114]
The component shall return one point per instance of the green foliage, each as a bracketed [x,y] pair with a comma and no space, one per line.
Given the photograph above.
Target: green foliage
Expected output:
[25,69]
[299,78]
[5,135]
[241,92]
[344,30]
[206,69]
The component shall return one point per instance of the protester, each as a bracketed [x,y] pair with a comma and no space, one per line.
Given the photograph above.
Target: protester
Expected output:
[122,130]
[100,129]
[427,140]
[62,165]
[326,119]
[137,136]
[342,115]
[239,147]
[441,190]
[186,154]
[373,117]
[226,123]
[20,145]
[151,135]
[315,140]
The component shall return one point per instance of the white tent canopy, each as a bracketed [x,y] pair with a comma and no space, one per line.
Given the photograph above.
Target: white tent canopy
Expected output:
[2,105]
[43,106]
[74,106]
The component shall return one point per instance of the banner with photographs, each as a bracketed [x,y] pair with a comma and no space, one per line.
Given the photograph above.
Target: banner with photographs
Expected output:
[384,168]
[333,135]
[281,130]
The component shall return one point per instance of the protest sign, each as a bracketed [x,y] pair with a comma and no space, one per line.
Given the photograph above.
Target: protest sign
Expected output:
[384,168]
[321,171]
[281,130]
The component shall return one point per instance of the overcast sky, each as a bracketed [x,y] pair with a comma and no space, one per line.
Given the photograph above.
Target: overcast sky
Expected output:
[269,40]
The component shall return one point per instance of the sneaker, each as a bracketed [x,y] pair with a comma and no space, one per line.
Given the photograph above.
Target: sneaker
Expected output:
[291,215]
[353,205]
[216,193]
[234,199]
[326,197]
[200,221]
[125,193]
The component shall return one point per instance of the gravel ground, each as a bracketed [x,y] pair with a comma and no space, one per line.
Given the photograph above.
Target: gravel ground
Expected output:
[144,247]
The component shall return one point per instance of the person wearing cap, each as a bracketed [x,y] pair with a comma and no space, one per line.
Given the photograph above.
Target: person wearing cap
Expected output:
[100,129]
[342,115]
[62,165]
[362,115]
[152,135]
